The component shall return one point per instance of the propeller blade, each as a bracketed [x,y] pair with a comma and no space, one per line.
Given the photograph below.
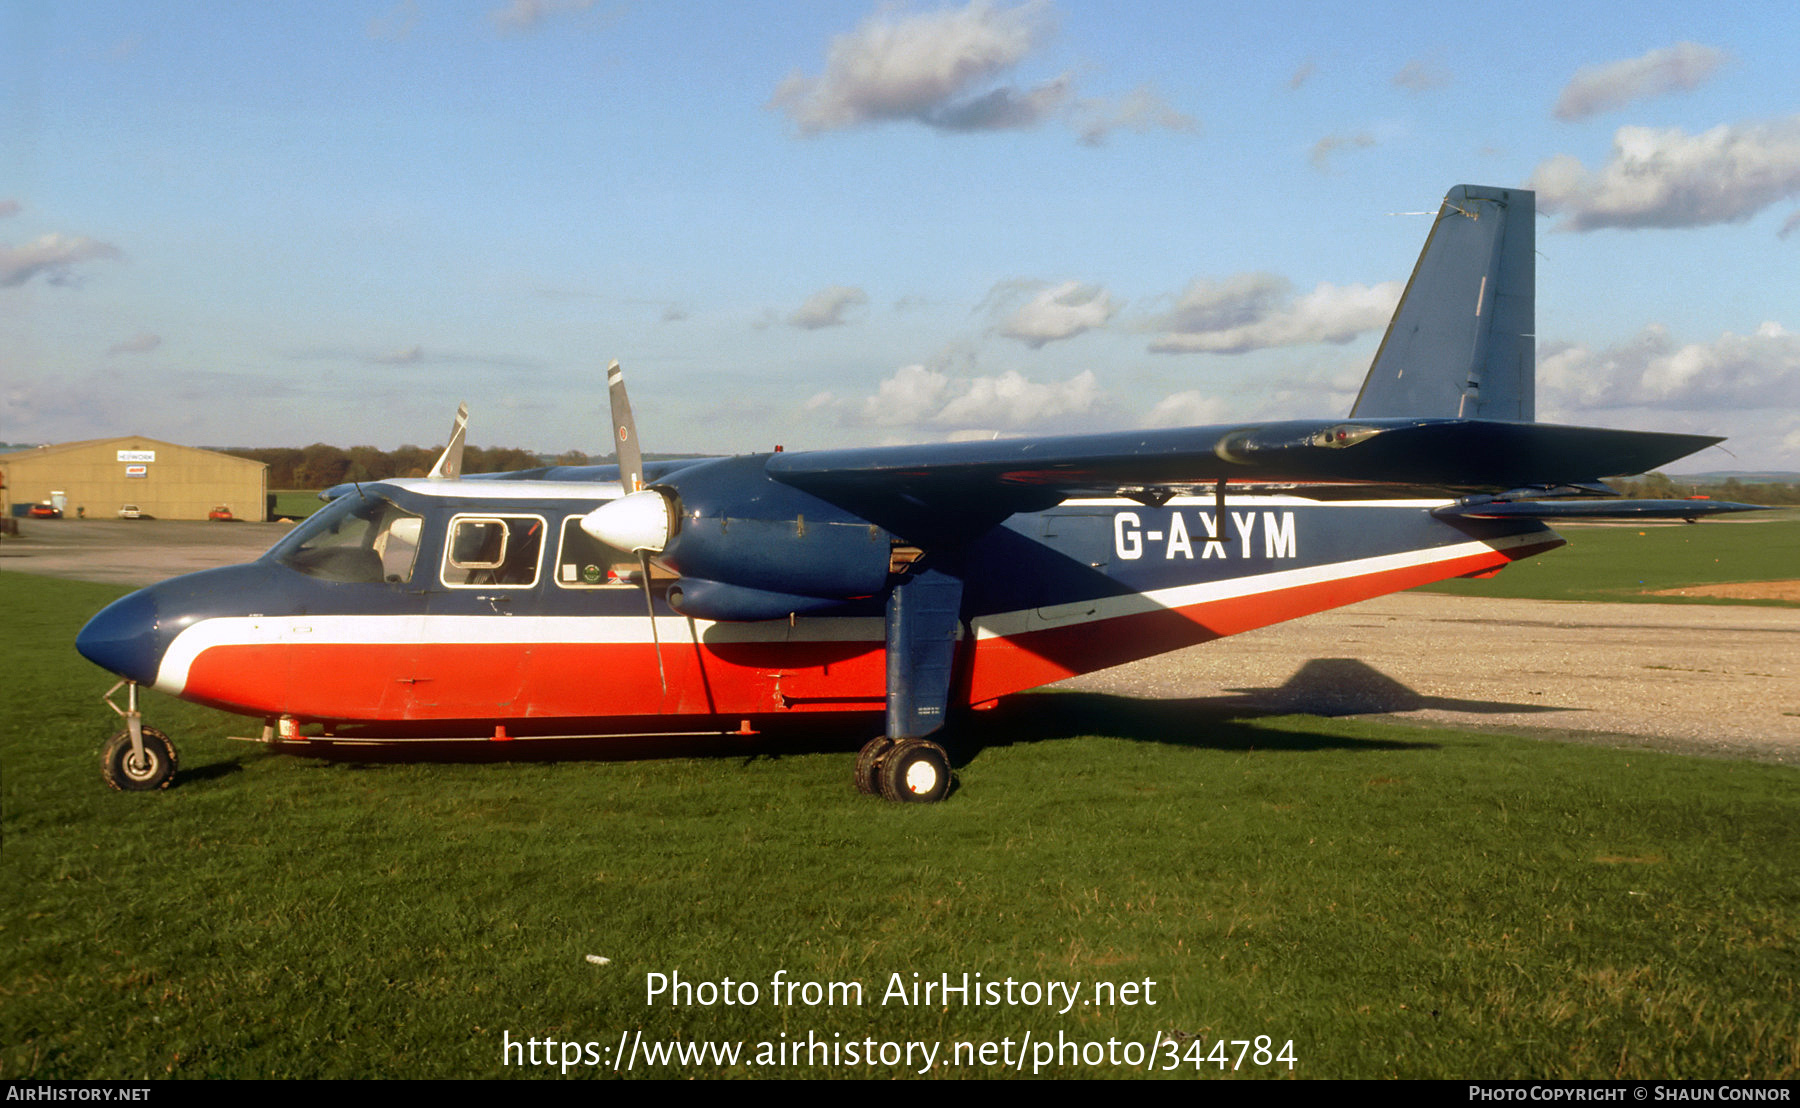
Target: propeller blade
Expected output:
[449,463]
[625,440]
[650,606]
[642,524]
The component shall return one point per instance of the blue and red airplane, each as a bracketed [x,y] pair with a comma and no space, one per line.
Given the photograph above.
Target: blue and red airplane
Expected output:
[920,581]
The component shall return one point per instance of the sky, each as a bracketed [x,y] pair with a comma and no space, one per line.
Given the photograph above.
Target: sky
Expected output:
[827,224]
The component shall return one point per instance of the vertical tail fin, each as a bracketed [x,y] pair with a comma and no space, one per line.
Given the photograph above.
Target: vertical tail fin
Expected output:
[1462,341]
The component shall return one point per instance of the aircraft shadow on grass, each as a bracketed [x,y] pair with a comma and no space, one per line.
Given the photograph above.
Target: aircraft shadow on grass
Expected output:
[1328,687]
[1352,687]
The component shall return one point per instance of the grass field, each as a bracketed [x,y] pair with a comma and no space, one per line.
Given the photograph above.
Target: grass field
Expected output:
[297,503]
[1394,902]
[1633,563]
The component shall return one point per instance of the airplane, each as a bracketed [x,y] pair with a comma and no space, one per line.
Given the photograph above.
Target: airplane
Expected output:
[727,594]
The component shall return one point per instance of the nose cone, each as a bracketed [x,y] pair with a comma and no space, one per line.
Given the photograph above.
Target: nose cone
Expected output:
[123,638]
[639,521]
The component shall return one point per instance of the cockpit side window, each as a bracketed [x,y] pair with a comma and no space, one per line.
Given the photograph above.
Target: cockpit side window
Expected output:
[493,550]
[359,538]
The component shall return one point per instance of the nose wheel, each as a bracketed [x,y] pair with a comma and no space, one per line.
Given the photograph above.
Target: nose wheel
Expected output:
[139,758]
[133,770]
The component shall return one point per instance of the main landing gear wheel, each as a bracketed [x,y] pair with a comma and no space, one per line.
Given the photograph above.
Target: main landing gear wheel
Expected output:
[125,771]
[868,765]
[915,771]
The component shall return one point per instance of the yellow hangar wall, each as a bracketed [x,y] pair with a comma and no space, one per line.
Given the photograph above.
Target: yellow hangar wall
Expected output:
[164,480]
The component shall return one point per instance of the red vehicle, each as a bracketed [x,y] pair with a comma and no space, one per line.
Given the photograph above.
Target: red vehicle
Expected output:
[223,511]
[46,510]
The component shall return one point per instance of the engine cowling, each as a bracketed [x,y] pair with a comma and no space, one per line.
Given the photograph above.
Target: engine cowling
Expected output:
[744,544]
[703,599]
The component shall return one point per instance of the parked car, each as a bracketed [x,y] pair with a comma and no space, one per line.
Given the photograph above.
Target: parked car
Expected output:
[130,511]
[46,510]
[223,511]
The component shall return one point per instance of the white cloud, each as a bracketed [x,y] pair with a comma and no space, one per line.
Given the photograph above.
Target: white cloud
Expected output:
[1420,75]
[141,343]
[1603,88]
[52,256]
[926,68]
[931,399]
[827,307]
[411,355]
[1732,372]
[1664,177]
[1060,312]
[946,70]
[1192,408]
[1331,144]
[520,16]
[397,23]
[1140,111]
[1254,311]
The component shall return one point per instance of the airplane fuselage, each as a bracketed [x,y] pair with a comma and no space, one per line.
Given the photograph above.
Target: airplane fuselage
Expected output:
[436,608]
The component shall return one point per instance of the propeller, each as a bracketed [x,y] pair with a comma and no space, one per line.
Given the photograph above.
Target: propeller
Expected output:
[449,463]
[641,539]
[625,444]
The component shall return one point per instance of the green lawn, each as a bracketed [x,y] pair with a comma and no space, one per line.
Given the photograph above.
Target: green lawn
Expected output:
[1393,901]
[1634,562]
[297,503]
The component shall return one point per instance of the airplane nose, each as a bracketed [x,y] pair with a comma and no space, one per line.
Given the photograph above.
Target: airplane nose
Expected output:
[123,638]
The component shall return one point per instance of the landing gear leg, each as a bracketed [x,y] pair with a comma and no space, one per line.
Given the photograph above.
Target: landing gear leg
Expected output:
[138,758]
[904,765]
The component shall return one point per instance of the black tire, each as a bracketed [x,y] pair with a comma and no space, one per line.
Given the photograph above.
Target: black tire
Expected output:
[868,765]
[126,773]
[916,771]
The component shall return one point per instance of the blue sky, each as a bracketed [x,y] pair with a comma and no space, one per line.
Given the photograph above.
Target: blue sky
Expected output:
[828,224]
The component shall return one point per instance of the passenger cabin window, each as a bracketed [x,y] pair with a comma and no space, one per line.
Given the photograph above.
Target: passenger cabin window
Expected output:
[356,537]
[584,562]
[493,550]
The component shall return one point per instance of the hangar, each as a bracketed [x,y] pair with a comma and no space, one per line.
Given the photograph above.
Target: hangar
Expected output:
[161,479]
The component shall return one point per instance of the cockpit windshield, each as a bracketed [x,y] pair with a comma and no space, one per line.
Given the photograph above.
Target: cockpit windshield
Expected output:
[360,536]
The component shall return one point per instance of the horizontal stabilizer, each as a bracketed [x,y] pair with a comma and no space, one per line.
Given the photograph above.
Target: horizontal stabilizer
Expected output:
[1594,509]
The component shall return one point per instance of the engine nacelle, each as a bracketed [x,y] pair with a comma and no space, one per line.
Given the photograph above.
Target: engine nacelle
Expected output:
[727,523]
[703,599]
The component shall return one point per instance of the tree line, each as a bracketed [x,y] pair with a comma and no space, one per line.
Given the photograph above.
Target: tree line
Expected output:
[321,466]
[1658,486]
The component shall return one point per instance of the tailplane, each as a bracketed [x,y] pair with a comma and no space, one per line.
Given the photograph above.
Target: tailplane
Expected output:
[1462,342]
